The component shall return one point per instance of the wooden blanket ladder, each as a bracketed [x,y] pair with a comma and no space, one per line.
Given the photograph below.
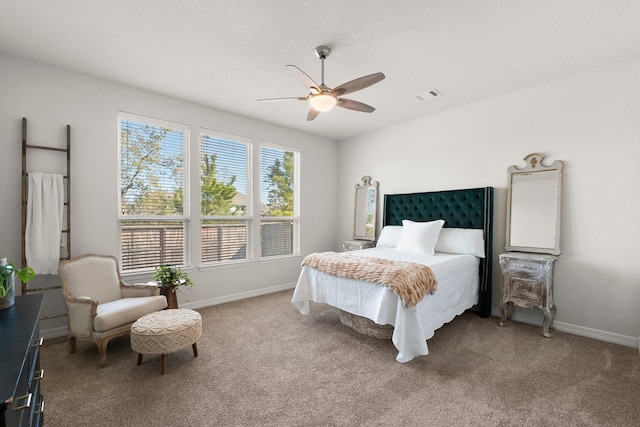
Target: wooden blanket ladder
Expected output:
[52,282]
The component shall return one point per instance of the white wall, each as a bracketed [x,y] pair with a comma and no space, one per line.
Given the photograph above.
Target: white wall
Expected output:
[50,98]
[591,121]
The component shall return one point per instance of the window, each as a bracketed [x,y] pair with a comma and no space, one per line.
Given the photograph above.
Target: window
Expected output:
[225,198]
[154,208]
[279,211]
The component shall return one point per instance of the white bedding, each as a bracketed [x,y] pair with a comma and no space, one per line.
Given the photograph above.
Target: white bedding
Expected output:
[457,291]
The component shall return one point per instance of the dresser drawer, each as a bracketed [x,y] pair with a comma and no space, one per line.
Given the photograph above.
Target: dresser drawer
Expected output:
[524,266]
[21,401]
[27,405]
[525,288]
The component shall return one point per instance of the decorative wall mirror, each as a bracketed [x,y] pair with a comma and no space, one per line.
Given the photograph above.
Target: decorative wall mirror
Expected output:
[365,209]
[533,206]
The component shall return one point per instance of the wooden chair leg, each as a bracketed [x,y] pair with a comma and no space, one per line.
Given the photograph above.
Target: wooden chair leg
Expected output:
[139,359]
[195,350]
[164,364]
[102,349]
[72,345]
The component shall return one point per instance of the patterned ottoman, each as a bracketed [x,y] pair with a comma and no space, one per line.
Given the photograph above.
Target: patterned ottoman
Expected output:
[166,331]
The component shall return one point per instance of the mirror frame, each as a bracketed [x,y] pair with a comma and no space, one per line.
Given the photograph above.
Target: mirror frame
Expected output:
[360,213]
[534,165]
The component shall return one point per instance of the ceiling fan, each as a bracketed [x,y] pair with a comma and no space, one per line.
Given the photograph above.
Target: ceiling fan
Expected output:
[323,98]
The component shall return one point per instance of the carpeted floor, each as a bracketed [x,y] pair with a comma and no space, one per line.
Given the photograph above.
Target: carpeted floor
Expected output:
[261,363]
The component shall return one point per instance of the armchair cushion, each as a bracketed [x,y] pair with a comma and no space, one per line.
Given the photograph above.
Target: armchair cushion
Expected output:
[126,310]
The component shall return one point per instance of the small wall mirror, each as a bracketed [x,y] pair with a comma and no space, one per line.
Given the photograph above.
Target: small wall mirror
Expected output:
[533,206]
[365,209]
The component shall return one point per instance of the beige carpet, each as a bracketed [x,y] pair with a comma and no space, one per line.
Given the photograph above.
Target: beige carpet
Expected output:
[261,363]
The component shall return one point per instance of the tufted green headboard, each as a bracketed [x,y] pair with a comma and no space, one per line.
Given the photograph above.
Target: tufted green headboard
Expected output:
[468,208]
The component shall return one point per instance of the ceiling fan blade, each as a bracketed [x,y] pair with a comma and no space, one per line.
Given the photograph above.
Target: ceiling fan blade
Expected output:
[357,84]
[313,113]
[305,79]
[355,105]
[291,98]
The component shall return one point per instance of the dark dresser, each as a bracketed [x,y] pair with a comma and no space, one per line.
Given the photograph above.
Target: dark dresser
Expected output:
[21,401]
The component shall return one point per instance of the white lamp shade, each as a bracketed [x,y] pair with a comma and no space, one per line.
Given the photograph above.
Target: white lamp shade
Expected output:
[323,101]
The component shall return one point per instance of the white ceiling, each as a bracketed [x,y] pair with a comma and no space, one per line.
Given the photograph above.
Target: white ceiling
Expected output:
[228,53]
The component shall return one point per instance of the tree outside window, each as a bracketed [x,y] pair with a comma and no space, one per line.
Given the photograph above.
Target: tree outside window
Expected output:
[152,216]
[225,198]
[280,219]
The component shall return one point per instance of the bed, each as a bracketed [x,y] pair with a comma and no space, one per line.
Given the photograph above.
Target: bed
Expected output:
[464,280]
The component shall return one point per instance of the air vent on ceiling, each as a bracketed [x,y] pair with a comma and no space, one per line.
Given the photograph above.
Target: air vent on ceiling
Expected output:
[427,94]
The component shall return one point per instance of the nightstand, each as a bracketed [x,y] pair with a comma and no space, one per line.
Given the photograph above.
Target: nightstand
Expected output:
[354,245]
[527,281]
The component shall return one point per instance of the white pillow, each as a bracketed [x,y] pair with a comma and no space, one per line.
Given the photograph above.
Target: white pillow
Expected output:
[389,236]
[419,237]
[461,241]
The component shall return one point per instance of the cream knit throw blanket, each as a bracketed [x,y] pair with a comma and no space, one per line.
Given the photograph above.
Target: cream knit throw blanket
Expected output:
[408,280]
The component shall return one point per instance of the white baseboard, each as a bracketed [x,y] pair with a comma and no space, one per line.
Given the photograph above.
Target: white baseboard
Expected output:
[237,297]
[576,330]
[62,331]
[53,332]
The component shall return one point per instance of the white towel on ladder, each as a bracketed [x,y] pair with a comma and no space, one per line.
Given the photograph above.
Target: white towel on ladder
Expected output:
[45,207]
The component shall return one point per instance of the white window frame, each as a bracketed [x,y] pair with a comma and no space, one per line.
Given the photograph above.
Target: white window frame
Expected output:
[185,218]
[295,219]
[248,217]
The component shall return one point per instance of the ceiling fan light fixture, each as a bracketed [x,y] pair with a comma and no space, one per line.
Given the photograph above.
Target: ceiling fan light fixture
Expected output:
[323,101]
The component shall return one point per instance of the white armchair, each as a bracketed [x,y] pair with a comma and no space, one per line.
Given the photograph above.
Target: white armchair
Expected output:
[100,305]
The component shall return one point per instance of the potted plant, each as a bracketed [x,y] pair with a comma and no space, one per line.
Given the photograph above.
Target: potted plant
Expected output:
[170,278]
[7,281]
